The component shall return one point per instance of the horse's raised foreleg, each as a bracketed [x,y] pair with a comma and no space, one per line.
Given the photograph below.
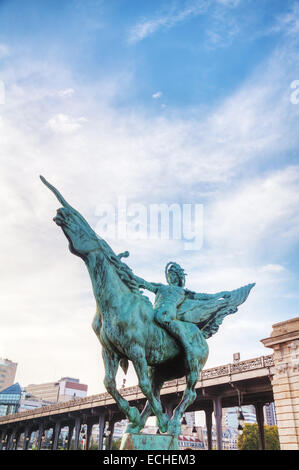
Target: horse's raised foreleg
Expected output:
[141,369]
[111,362]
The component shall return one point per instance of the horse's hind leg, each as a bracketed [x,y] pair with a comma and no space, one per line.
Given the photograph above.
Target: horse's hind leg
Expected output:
[111,362]
[141,369]
[157,384]
[174,426]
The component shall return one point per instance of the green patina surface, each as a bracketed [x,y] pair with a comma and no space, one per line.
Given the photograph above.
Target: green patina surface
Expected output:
[164,341]
[149,442]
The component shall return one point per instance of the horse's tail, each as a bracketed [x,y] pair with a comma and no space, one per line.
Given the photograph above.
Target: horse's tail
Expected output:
[124,364]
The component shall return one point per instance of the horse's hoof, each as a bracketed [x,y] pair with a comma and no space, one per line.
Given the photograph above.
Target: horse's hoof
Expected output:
[163,423]
[134,416]
[132,429]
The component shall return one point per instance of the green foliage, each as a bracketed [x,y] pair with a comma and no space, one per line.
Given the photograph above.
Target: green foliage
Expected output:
[250,439]
[116,444]
[93,447]
[272,438]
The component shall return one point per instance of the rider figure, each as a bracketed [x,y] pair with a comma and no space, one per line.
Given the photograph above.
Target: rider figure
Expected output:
[169,298]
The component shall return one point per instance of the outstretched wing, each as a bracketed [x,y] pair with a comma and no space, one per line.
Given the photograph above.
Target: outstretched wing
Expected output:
[209,314]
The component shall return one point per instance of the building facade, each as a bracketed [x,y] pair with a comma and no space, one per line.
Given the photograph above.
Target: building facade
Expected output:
[65,389]
[7,373]
[284,341]
[230,416]
[29,402]
[10,400]
[70,388]
[270,414]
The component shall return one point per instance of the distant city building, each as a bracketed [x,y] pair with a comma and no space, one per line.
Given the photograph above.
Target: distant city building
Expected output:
[119,429]
[14,400]
[46,391]
[30,402]
[71,388]
[7,373]
[10,399]
[190,442]
[229,438]
[64,389]
[230,416]
[190,418]
[270,414]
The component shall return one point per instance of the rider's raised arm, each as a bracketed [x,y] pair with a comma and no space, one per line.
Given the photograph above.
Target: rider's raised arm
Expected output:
[202,296]
[151,286]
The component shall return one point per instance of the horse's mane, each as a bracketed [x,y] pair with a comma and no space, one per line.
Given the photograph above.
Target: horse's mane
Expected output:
[125,273]
[122,269]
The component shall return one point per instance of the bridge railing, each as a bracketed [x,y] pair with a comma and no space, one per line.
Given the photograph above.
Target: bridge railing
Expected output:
[100,399]
[229,369]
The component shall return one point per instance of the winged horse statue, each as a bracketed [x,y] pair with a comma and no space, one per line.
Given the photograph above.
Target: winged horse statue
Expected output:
[164,341]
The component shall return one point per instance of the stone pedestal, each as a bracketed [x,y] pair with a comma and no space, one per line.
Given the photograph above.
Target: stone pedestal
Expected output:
[149,442]
[284,340]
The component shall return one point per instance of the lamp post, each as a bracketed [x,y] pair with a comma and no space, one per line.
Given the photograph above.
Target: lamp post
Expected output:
[83,437]
[106,435]
[184,424]
[241,420]
[108,432]
[43,437]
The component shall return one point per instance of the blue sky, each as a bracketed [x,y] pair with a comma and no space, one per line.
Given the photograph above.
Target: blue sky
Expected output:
[157,101]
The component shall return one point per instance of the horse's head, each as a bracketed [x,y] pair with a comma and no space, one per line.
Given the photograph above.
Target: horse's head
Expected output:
[82,239]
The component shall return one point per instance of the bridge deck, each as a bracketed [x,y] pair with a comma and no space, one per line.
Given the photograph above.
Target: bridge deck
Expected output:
[252,378]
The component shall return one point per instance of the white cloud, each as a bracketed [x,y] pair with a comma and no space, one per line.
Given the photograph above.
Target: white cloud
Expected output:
[168,19]
[174,15]
[66,93]
[63,124]
[46,291]
[157,95]
[264,210]
[4,51]
[273,268]
[288,22]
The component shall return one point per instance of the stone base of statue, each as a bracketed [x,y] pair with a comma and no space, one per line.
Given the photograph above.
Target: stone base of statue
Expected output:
[149,442]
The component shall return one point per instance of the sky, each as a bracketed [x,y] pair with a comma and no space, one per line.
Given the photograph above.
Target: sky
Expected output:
[175,102]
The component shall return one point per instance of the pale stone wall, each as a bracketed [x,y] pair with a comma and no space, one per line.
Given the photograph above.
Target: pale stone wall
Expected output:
[284,341]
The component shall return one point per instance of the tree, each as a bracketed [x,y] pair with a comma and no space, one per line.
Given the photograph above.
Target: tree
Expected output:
[250,439]
[272,438]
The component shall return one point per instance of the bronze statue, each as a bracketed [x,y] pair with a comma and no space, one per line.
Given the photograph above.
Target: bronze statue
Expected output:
[165,341]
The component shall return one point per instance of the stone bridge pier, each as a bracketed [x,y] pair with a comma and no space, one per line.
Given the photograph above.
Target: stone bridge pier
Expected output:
[284,341]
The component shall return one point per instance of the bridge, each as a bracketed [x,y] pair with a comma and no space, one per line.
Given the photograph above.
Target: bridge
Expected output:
[242,382]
